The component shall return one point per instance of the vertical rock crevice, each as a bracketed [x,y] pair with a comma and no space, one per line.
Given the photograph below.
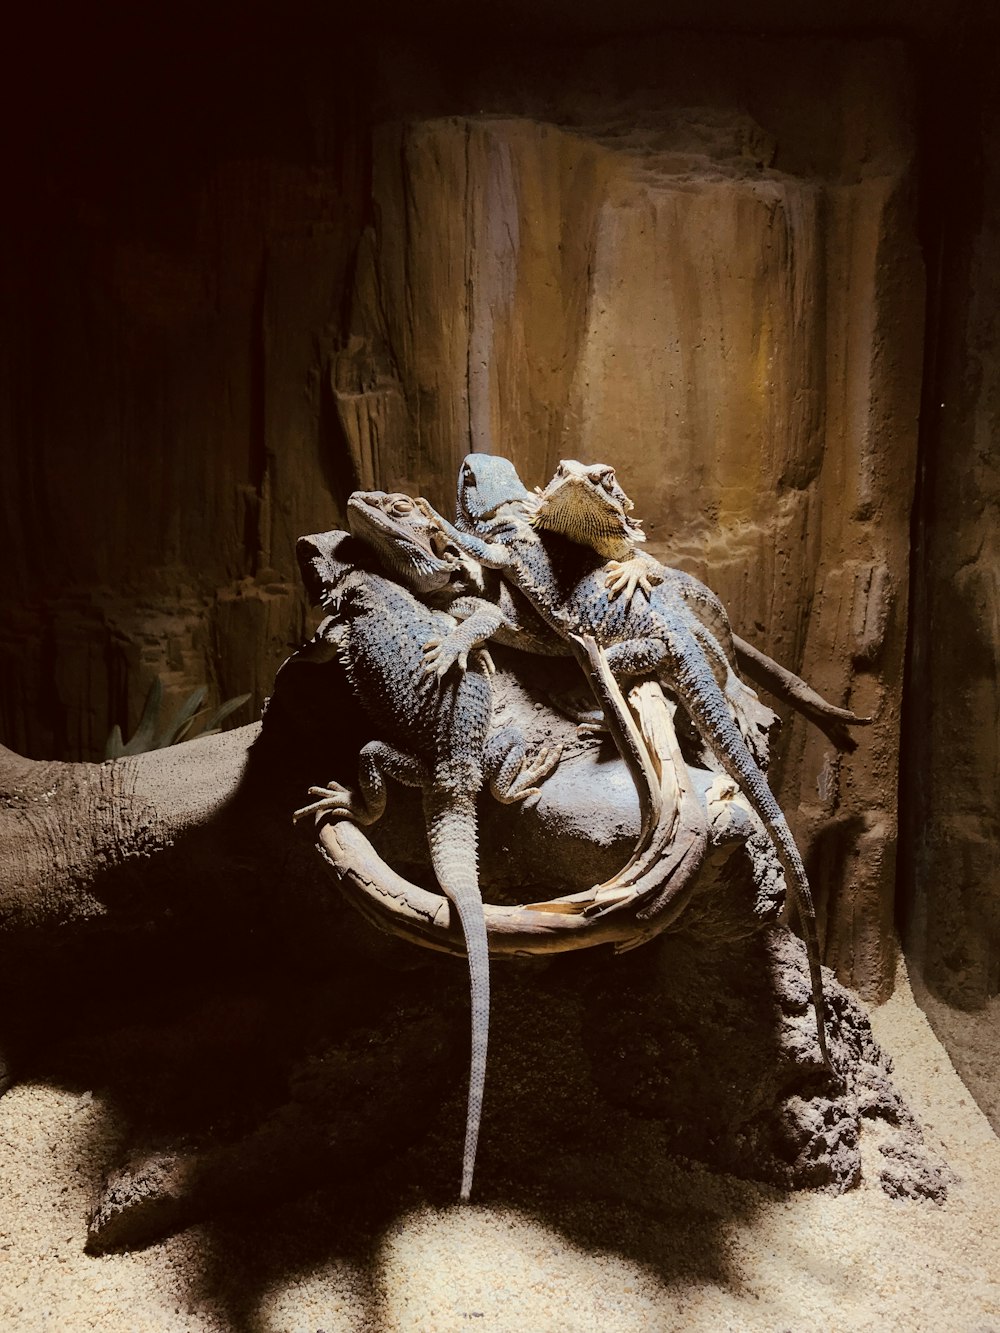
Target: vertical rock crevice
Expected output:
[950,880]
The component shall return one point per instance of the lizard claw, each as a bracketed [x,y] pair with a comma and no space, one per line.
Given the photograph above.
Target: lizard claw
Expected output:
[592,730]
[335,799]
[440,655]
[485,661]
[536,771]
[628,577]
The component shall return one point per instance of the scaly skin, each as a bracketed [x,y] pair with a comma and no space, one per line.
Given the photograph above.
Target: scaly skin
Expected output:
[434,733]
[567,584]
[584,503]
[409,538]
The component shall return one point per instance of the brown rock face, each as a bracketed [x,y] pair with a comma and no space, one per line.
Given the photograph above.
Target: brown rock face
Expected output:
[682,290]
[168,280]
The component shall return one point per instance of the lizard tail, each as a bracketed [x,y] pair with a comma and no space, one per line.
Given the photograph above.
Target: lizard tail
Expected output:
[452,832]
[698,691]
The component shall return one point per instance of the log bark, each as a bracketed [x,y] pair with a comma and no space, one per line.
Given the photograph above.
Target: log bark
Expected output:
[74,834]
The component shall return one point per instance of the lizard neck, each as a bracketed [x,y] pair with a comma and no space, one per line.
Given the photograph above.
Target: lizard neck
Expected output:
[612,548]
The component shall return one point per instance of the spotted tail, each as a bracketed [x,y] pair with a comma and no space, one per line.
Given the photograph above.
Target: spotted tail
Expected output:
[452,832]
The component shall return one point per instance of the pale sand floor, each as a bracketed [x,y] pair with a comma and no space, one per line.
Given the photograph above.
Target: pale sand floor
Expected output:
[719,1254]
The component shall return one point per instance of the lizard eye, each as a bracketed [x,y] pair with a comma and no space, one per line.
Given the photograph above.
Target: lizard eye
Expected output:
[604,477]
[468,476]
[401,505]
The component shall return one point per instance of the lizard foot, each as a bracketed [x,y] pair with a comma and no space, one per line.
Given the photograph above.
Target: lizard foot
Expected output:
[754,719]
[533,773]
[481,656]
[628,576]
[338,801]
[577,704]
[440,655]
[592,731]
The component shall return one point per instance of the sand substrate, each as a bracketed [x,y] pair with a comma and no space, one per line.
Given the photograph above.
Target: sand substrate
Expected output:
[666,1246]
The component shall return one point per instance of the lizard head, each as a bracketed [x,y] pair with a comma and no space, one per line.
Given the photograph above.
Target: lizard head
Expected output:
[488,484]
[408,538]
[585,503]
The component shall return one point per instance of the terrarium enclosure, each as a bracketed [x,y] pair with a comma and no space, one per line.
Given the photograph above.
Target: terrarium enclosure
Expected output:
[248,273]
[251,264]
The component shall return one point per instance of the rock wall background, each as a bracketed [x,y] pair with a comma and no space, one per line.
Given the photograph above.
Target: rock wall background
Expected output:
[252,269]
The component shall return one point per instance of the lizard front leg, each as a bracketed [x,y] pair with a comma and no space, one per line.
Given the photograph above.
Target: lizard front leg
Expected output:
[478,621]
[492,551]
[626,577]
[368,805]
[512,776]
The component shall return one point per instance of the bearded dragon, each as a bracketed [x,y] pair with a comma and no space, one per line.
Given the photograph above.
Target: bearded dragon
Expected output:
[434,733]
[410,541]
[661,636]
[409,538]
[585,503]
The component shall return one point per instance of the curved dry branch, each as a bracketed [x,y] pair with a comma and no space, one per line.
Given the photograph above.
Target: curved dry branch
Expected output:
[634,905]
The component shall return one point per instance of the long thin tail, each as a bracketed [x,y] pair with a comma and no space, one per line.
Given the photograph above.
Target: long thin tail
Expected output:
[706,704]
[452,833]
[784,684]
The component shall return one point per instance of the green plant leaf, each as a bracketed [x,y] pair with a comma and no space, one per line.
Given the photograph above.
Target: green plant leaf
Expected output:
[214,721]
[180,723]
[146,730]
[177,729]
[114,746]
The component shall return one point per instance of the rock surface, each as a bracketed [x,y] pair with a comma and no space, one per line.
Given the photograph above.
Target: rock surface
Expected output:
[609,1232]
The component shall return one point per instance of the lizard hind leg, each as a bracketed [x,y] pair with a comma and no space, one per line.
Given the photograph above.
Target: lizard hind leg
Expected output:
[511,774]
[367,804]
[755,720]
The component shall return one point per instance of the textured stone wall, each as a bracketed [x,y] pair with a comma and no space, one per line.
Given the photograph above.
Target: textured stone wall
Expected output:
[172,273]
